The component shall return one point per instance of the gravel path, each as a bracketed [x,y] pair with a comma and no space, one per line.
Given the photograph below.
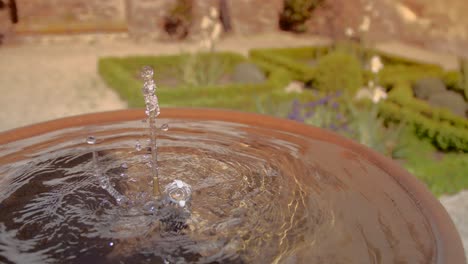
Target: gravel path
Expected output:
[457,207]
[58,78]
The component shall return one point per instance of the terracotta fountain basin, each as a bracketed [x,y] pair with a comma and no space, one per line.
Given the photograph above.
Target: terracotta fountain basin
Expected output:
[331,200]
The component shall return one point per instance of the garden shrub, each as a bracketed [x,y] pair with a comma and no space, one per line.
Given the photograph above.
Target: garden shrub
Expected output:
[392,74]
[443,173]
[442,134]
[402,95]
[297,70]
[453,80]
[294,61]
[446,130]
[119,79]
[464,85]
[338,71]
[122,75]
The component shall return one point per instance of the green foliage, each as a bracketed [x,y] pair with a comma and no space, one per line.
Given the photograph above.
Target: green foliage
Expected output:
[338,71]
[276,58]
[370,129]
[458,80]
[441,127]
[402,96]
[295,13]
[444,173]
[119,79]
[122,74]
[453,80]
[202,70]
[293,60]
[442,134]
[392,74]
[464,85]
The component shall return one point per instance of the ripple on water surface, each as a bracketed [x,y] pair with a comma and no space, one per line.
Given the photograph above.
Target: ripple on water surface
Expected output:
[259,196]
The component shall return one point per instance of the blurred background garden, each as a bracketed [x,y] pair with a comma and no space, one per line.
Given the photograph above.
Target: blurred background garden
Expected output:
[390,74]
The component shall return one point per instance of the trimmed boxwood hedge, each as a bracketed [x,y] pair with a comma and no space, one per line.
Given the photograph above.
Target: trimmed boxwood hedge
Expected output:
[294,59]
[122,75]
[446,130]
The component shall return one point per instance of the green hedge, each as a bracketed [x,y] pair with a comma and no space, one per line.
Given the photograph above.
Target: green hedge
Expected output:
[338,71]
[335,70]
[275,57]
[403,96]
[446,130]
[294,61]
[464,82]
[398,73]
[122,75]
[442,134]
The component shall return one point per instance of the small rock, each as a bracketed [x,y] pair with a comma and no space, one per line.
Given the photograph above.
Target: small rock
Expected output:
[312,63]
[424,88]
[294,87]
[247,73]
[450,100]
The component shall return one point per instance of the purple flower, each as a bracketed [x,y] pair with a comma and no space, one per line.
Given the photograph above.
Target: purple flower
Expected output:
[295,113]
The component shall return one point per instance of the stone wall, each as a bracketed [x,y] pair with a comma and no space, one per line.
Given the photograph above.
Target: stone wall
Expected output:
[254,16]
[142,18]
[146,17]
[52,16]
[247,16]
[6,26]
[440,25]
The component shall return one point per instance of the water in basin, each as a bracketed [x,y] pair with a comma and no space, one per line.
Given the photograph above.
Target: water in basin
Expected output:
[258,196]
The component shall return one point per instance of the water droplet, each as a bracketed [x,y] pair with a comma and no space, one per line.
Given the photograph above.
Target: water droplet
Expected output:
[111,244]
[165,127]
[138,146]
[178,192]
[150,207]
[91,140]
[124,165]
[104,185]
[179,184]
[132,180]
[147,72]
[121,199]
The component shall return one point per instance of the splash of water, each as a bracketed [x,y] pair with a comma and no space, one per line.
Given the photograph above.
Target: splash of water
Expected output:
[104,181]
[178,192]
[152,111]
